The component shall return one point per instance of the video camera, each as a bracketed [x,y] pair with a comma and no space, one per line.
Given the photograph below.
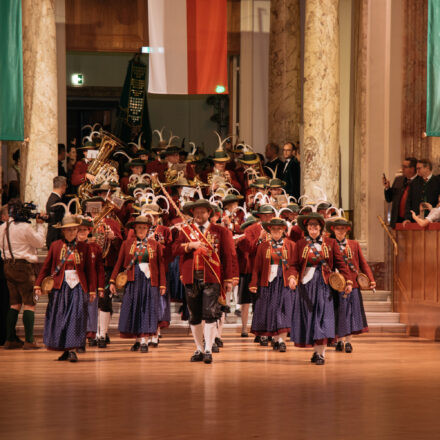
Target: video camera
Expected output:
[24,212]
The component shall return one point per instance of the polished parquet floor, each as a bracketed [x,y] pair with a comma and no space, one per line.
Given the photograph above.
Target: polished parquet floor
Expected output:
[388,388]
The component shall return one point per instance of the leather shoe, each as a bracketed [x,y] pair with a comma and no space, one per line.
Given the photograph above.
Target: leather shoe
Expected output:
[257,339]
[81,350]
[348,347]
[320,360]
[64,356]
[102,343]
[275,346]
[30,346]
[218,342]
[73,357]
[263,341]
[314,357]
[207,358]
[197,357]
[135,346]
[215,348]
[331,344]
[340,346]
[282,347]
[107,338]
[11,345]
[144,348]
[93,342]
[238,313]
[244,334]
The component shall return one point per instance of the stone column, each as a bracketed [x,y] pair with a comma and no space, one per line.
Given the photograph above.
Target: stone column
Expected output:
[320,152]
[284,71]
[39,155]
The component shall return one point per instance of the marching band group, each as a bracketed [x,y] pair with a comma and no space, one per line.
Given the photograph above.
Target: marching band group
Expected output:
[163,233]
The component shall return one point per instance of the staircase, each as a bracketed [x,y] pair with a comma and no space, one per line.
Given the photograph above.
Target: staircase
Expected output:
[378,307]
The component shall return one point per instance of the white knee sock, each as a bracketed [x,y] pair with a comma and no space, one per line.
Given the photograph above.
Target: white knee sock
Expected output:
[154,339]
[197,331]
[348,338]
[209,332]
[320,349]
[281,337]
[235,297]
[103,323]
[244,317]
[143,340]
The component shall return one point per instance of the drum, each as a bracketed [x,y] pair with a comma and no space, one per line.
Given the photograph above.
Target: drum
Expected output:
[47,284]
[337,281]
[363,281]
[121,280]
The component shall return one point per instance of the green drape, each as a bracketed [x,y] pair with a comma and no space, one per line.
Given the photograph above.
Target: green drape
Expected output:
[433,70]
[11,72]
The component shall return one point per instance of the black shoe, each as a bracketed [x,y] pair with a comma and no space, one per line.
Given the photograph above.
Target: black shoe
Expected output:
[320,360]
[160,336]
[270,338]
[81,350]
[144,348]
[93,342]
[314,357]
[331,344]
[275,346]
[244,334]
[135,346]
[348,347]
[64,356]
[282,347]
[238,313]
[197,357]
[154,344]
[207,358]
[263,341]
[215,348]
[102,343]
[218,342]
[340,346]
[73,357]
[257,339]
[107,338]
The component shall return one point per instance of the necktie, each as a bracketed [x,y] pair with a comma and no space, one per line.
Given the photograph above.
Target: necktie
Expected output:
[202,229]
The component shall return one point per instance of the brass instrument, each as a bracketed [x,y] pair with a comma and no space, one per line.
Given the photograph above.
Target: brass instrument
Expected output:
[108,144]
[220,178]
[172,173]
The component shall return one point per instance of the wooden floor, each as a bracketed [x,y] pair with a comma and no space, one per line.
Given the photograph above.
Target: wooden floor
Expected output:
[388,388]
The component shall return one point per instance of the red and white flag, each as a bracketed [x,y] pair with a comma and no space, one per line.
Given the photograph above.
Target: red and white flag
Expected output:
[188,46]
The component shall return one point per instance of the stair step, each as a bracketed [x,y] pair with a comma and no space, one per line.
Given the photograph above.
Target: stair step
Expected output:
[378,306]
[379,295]
[383,317]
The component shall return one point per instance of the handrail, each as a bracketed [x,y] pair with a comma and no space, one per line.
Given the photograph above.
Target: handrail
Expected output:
[393,240]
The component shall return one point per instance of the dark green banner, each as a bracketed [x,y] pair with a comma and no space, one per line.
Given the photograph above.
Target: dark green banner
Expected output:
[11,72]
[433,70]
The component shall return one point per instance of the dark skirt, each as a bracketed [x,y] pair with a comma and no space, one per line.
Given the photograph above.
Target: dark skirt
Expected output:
[313,317]
[164,310]
[245,296]
[351,314]
[174,286]
[273,308]
[92,318]
[139,315]
[66,318]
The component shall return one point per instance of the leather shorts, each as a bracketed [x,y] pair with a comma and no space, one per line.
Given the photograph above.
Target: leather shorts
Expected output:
[20,278]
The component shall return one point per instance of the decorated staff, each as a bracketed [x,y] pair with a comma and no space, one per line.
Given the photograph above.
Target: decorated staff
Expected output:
[316,258]
[143,280]
[273,277]
[206,271]
[351,318]
[68,273]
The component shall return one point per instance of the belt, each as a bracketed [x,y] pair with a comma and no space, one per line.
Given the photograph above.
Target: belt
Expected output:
[17,260]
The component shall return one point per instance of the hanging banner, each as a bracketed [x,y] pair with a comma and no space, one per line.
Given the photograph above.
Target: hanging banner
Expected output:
[188,46]
[11,72]
[433,70]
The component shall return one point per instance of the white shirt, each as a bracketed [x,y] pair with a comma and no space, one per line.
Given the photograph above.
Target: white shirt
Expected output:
[434,215]
[25,240]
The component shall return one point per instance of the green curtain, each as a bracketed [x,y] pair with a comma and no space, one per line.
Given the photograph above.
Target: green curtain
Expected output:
[11,72]
[433,70]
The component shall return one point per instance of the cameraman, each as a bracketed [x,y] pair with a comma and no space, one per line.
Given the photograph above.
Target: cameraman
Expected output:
[19,242]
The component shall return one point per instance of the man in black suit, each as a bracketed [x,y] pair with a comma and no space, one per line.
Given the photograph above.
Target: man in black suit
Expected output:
[397,194]
[272,160]
[425,188]
[55,213]
[291,170]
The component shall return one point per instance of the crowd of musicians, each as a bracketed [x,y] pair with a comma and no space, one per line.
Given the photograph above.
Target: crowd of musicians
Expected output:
[152,228]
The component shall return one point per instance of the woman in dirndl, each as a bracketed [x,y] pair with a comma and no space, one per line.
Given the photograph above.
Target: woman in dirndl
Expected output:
[274,280]
[69,265]
[316,257]
[144,279]
[351,319]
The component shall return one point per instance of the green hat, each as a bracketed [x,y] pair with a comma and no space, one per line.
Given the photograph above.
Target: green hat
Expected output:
[293,207]
[171,150]
[216,209]
[276,183]
[276,221]
[139,220]
[68,221]
[260,182]
[249,158]
[231,198]
[220,155]
[200,203]
[302,220]
[336,221]
[86,221]
[142,151]
[323,206]
[249,221]
[264,209]
[89,145]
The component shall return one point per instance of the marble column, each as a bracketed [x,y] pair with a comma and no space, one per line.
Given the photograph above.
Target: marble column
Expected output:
[39,155]
[284,71]
[320,156]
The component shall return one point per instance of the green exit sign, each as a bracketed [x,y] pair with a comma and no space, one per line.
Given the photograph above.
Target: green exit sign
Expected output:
[77,79]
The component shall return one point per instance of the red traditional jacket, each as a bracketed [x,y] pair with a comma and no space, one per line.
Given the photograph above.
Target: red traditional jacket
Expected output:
[264,258]
[250,241]
[98,264]
[155,256]
[79,173]
[243,256]
[354,255]
[116,243]
[82,263]
[221,240]
[330,253]
[296,233]
[123,183]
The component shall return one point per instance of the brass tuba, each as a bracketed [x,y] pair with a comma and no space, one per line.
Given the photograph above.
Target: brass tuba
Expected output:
[101,164]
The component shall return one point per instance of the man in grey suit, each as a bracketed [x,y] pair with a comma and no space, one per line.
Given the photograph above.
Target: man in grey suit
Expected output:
[397,194]
[55,213]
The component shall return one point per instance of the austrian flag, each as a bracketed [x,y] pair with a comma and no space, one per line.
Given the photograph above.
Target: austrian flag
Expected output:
[188,46]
